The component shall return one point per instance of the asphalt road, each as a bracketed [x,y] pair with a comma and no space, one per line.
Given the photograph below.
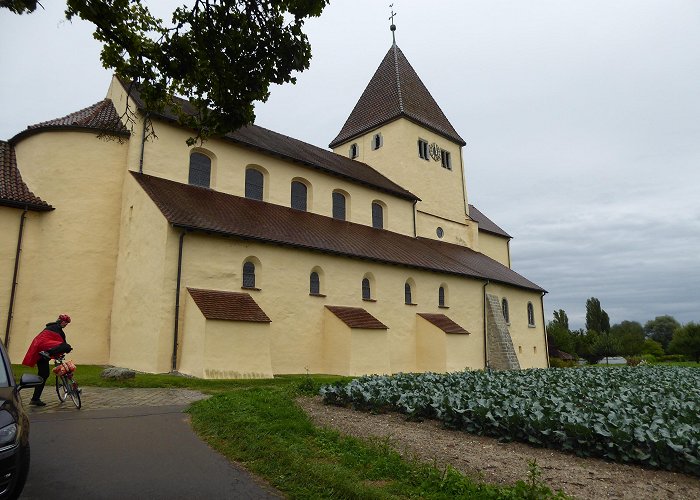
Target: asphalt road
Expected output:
[130,453]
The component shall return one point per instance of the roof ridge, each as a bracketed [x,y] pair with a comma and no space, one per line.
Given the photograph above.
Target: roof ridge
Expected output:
[398,77]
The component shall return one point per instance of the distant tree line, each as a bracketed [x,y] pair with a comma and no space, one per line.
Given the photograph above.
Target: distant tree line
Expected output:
[657,338]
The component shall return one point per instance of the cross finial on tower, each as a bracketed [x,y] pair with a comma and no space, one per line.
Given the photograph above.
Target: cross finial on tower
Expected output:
[393,26]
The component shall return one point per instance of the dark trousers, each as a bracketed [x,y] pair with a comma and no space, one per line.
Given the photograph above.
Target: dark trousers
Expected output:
[43,366]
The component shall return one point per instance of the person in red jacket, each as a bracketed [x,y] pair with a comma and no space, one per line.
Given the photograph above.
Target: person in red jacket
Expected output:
[51,341]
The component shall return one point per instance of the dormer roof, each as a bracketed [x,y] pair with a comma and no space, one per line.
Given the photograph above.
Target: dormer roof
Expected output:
[395,91]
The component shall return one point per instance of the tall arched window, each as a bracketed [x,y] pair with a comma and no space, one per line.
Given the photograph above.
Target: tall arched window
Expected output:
[441,296]
[338,205]
[254,183]
[248,275]
[407,293]
[299,192]
[530,314]
[314,284]
[377,215]
[366,291]
[504,306]
[200,170]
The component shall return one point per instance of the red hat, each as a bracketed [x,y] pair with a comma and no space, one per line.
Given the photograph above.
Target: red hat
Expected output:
[64,318]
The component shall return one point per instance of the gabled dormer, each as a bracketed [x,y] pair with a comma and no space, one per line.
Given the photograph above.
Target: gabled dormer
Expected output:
[398,128]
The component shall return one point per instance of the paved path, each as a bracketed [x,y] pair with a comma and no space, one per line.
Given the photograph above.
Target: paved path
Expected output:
[128,443]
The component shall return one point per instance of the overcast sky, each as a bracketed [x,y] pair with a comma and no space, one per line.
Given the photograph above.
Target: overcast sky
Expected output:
[582,123]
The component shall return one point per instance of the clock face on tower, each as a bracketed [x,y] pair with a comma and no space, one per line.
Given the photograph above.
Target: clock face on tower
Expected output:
[435,151]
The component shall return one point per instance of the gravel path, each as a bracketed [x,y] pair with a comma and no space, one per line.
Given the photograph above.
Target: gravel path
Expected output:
[505,463]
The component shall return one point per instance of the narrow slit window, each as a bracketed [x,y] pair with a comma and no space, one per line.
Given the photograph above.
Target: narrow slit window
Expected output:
[423,149]
[314,284]
[530,314]
[377,141]
[354,151]
[506,314]
[441,296]
[366,290]
[407,293]
[446,160]
[248,275]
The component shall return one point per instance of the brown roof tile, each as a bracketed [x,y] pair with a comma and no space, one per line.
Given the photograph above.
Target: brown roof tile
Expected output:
[486,224]
[230,306]
[262,139]
[101,117]
[356,317]
[395,91]
[13,191]
[443,323]
[211,211]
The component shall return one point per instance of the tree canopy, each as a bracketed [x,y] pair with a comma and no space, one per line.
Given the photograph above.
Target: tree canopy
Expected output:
[596,317]
[661,329]
[686,340]
[221,55]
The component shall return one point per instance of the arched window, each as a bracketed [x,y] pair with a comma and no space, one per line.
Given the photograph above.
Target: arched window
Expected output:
[314,284]
[354,151]
[248,275]
[338,205]
[530,314]
[366,290]
[504,306]
[441,296]
[377,215]
[254,183]
[200,170]
[299,192]
[377,141]
[407,293]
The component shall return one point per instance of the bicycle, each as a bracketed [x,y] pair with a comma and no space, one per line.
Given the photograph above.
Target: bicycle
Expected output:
[66,386]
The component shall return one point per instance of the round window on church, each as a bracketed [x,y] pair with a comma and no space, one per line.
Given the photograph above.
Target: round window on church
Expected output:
[440,232]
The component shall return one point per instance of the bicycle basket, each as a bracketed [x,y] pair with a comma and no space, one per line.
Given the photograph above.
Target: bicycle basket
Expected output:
[65,367]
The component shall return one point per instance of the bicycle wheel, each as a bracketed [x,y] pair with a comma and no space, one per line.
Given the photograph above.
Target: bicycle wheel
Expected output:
[61,389]
[74,392]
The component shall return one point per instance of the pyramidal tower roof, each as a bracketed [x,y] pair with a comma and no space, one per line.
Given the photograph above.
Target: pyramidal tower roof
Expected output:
[395,91]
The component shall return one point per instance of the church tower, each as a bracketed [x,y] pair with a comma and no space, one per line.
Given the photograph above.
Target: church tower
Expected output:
[397,128]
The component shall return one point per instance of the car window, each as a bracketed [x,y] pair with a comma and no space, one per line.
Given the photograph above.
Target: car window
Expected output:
[4,364]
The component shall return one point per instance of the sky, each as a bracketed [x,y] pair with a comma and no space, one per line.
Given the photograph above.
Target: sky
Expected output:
[582,123]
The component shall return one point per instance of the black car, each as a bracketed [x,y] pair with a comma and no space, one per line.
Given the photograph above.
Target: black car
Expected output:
[14,429]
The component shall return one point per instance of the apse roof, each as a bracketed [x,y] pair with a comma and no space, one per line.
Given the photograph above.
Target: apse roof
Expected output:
[202,209]
[395,91]
[13,191]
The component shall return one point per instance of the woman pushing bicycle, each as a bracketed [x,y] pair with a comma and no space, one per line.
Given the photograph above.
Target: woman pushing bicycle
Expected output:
[50,342]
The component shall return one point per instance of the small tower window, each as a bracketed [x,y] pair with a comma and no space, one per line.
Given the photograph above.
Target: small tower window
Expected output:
[254,184]
[314,284]
[248,275]
[354,151]
[200,170]
[446,160]
[423,149]
[441,296]
[377,215]
[440,232]
[377,141]
[407,293]
[506,314]
[530,314]
[366,290]
[299,192]
[338,205]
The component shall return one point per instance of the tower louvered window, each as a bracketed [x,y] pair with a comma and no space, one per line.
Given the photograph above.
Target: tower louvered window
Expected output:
[423,149]
[200,170]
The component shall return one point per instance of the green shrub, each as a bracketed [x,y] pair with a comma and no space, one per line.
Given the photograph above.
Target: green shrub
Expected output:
[670,358]
[633,360]
[562,363]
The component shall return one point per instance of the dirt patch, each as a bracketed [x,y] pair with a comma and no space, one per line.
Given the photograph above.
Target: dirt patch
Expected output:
[505,463]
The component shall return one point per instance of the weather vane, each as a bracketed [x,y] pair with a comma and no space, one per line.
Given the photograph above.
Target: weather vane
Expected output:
[393,26]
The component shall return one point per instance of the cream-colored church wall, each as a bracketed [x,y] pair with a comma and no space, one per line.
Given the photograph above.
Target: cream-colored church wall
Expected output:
[495,247]
[430,347]
[457,233]
[191,360]
[368,352]
[441,190]
[168,156]
[236,349]
[144,292]
[528,341]
[337,345]
[282,276]
[461,354]
[69,255]
[9,228]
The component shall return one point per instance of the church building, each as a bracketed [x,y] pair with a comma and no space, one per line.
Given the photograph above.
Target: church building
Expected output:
[256,254]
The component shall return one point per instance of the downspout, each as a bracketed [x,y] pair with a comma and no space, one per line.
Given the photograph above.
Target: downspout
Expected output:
[14,277]
[464,183]
[486,350]
[544,327]
[415,230]
[143,141]
[177,301]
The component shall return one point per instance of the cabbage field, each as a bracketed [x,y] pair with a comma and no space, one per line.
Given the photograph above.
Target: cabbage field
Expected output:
[648,415]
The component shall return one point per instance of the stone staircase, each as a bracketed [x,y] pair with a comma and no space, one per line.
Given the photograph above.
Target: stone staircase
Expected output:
[501,354]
